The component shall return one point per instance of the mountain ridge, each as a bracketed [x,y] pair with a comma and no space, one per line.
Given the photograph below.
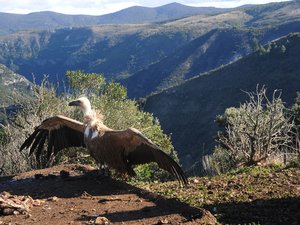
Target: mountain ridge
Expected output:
[49,20]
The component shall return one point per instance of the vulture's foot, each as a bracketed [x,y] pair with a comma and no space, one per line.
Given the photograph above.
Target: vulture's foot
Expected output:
[104,172]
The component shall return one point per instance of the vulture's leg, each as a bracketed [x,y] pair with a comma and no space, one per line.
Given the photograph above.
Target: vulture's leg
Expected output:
[105,170]
[100,165]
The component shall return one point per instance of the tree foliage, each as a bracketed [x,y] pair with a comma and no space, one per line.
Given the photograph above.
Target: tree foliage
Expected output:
[85,82]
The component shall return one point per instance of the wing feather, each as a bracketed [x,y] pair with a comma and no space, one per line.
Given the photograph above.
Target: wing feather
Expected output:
[42,142]
[59,131]
[29,140]
[141,150]
[36,141]
[49,147]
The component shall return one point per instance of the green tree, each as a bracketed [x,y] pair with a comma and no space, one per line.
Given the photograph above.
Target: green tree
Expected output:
[85,83]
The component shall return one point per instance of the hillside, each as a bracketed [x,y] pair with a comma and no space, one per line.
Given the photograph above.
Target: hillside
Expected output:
[13,87]
[255,195]
[172,51]
[115,50]
[10,23]
[188,111]
[238,36]
[199,55]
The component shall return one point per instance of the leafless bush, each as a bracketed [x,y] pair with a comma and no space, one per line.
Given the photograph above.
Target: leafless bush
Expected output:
[257,130]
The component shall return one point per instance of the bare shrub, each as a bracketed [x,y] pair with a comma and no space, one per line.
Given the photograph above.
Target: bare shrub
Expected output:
[255,131]
[32,112]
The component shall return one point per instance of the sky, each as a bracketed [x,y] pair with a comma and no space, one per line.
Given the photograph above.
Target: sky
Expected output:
[100,7]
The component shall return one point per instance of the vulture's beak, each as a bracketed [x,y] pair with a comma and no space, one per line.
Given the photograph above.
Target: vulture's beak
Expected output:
[75,103]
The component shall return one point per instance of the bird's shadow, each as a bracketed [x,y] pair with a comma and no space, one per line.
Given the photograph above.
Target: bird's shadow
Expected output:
[88,182]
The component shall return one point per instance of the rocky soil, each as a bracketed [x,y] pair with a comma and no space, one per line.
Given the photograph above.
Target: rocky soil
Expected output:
[74,194]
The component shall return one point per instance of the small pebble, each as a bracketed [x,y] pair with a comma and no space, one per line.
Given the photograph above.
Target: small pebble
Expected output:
[101,220]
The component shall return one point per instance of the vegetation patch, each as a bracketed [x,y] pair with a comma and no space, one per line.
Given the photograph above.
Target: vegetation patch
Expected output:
[252,195]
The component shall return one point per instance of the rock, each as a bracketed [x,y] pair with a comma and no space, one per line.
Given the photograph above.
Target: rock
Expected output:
[14,204]
[85,195]
[205,218]
[53,199]
[196,181]
[27,216]
[8,211]
[16,212]
[101,220]
[163,221]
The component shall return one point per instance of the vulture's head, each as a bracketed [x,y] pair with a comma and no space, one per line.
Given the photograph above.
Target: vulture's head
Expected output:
[83,103]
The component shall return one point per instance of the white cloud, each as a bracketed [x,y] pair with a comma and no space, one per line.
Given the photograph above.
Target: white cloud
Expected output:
[98,7]
[90,7]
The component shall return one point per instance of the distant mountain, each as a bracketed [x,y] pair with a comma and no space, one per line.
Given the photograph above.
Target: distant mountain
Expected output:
[157,55]
[188,111]
[172,11]
[10,23]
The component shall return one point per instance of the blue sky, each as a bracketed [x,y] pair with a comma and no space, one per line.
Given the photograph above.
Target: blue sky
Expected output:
[99,7]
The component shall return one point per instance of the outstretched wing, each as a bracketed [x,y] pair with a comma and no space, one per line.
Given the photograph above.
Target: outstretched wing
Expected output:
[139,150]
[59,131]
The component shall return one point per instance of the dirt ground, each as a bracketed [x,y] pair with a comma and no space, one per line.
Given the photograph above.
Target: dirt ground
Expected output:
[83,197]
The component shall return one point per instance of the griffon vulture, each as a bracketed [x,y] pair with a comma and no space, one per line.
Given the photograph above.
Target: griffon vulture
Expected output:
[118,149]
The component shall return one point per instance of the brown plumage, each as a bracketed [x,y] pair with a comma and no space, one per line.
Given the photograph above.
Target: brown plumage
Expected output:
[119,149]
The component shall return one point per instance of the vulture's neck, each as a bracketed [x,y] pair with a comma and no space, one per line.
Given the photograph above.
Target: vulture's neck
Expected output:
[89,114]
